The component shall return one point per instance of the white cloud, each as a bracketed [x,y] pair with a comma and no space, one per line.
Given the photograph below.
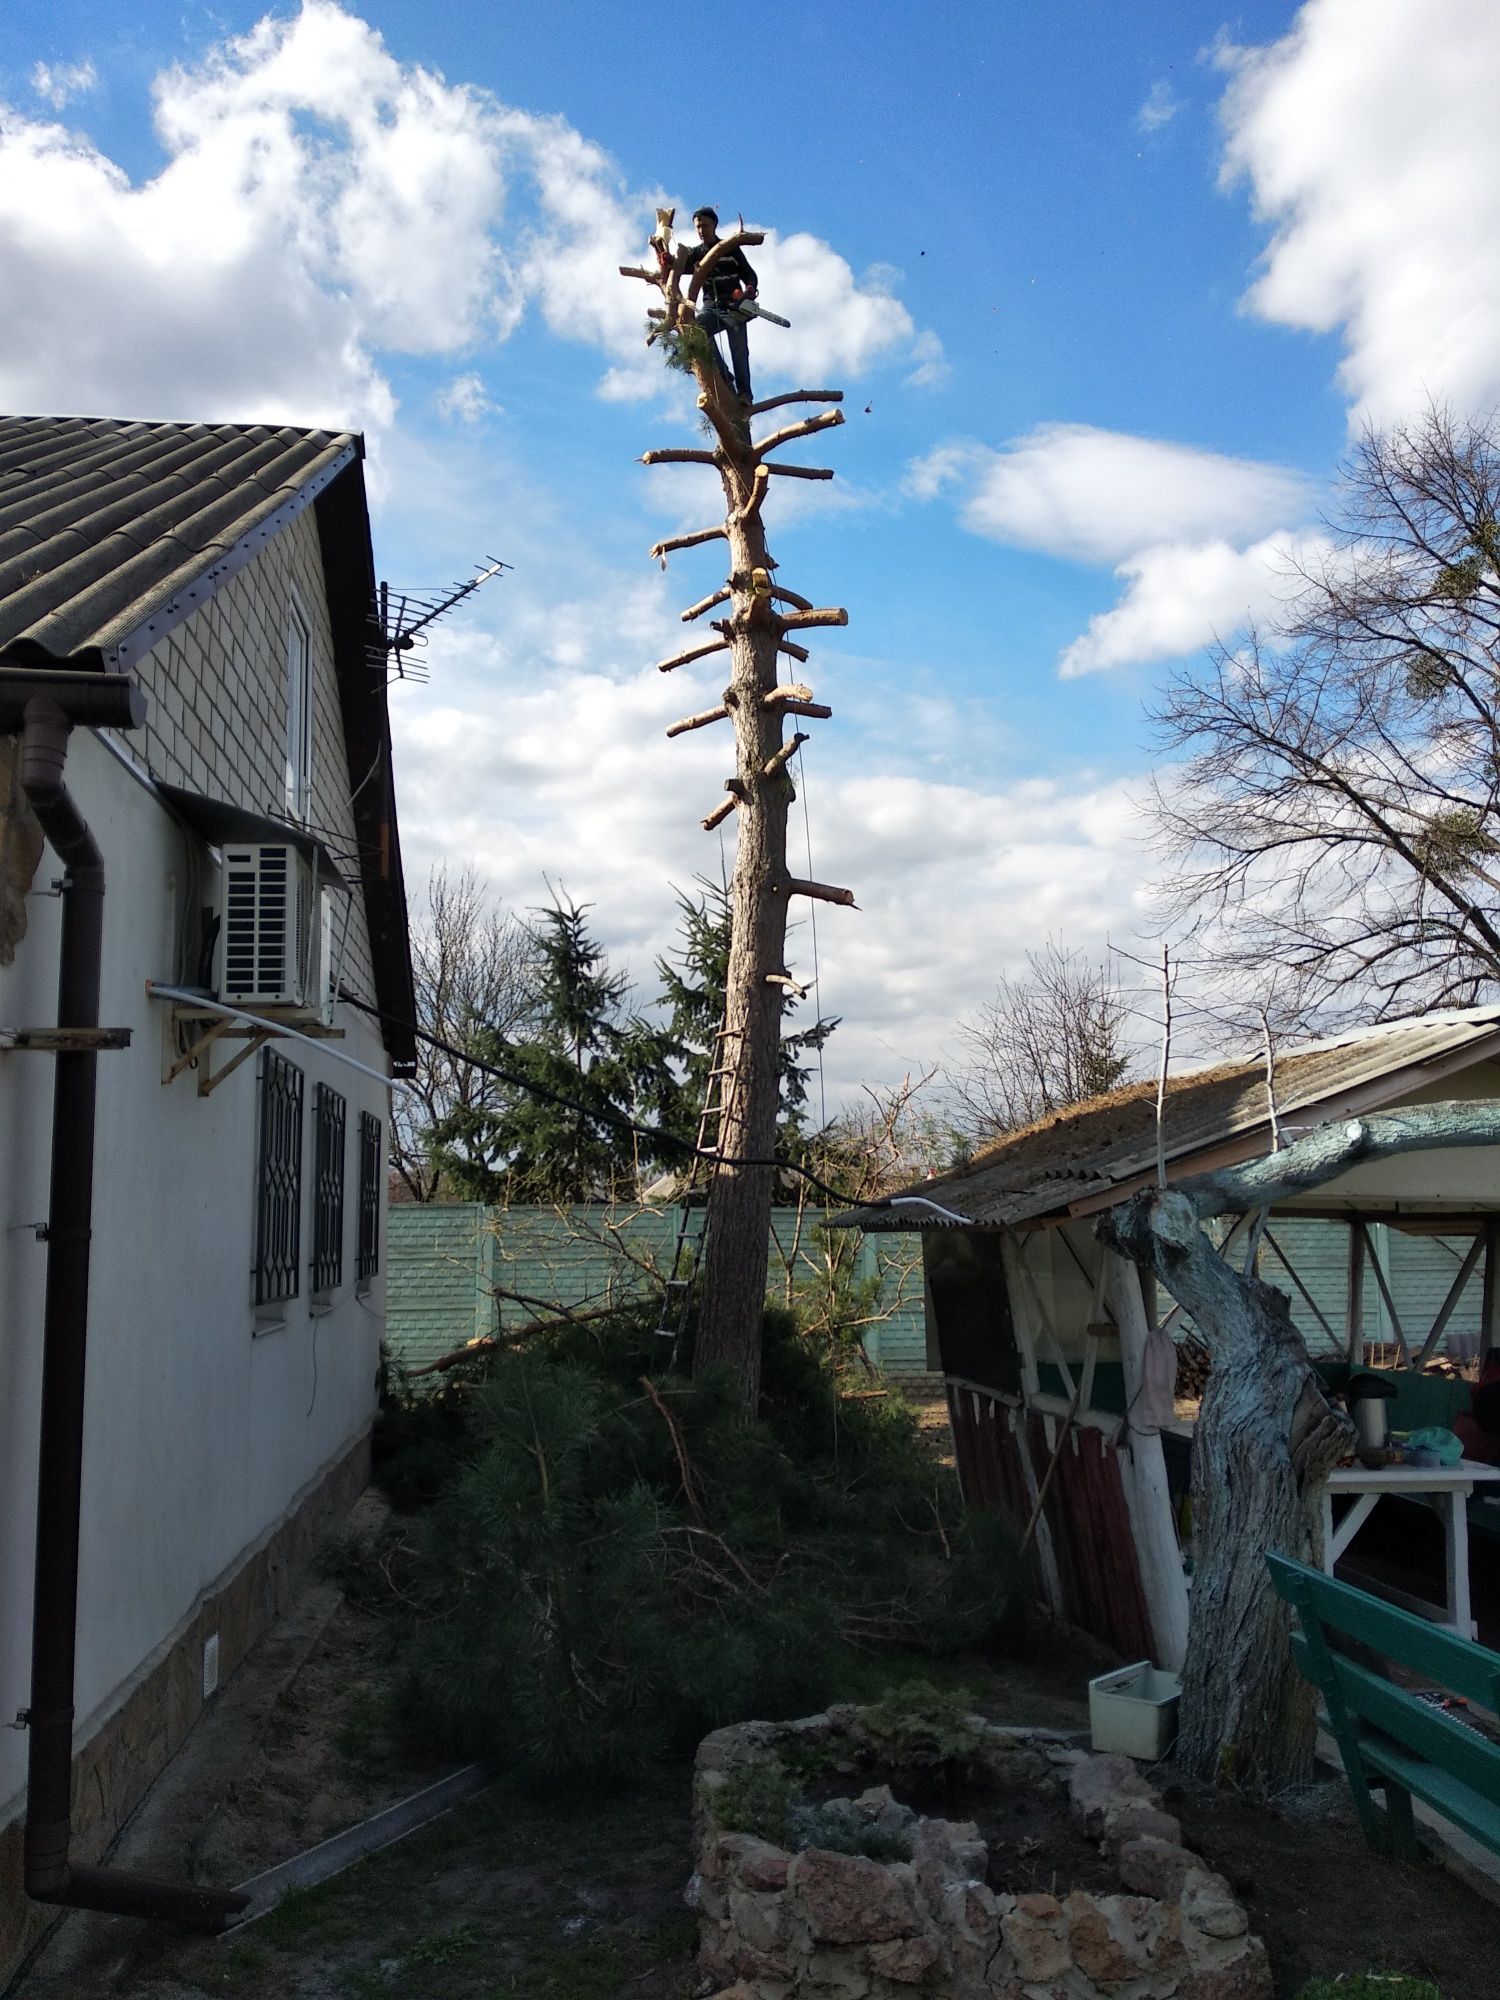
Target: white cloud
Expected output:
[324,204]
[1161,106]
[55,83]
[1369,137]
[1199,539]
[465,399]
[572,780]
[1104,496]
[1181,598]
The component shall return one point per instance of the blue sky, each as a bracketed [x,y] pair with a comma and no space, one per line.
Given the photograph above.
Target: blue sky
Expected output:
[1114,283]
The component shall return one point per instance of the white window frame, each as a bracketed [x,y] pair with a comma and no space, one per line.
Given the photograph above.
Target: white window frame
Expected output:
[299,710]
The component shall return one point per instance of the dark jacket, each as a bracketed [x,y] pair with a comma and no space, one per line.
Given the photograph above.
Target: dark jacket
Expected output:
[730,274]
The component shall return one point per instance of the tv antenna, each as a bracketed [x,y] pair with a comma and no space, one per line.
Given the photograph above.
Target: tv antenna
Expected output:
[405,615]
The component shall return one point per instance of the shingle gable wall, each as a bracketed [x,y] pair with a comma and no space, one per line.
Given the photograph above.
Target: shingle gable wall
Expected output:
[217,690]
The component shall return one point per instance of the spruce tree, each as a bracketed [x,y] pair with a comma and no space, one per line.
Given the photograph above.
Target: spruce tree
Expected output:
[692,992]
[590,1071]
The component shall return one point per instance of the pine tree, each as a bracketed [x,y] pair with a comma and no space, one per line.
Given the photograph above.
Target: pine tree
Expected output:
[591,1070]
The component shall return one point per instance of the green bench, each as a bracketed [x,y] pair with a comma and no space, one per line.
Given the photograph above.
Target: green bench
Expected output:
[1389,1738]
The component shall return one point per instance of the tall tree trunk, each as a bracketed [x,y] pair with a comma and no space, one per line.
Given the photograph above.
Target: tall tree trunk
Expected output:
[735,1261]
[1268,1434]
[739,1225]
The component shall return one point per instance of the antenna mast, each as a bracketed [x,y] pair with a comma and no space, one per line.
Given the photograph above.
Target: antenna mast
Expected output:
[403,617]
[755,634]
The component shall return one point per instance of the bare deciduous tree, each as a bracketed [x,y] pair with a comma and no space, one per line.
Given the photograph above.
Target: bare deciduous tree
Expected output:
[473,966]
[1340,806]
[1054,1035]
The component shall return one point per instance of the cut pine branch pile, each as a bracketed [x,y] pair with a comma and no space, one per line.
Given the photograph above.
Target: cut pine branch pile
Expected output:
[754,632]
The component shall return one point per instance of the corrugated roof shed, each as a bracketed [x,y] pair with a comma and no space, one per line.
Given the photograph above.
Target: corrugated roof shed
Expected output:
[1110,1141]
[111,532]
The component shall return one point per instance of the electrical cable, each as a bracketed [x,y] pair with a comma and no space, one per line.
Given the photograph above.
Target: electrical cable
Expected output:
[812,911]
[665,1141]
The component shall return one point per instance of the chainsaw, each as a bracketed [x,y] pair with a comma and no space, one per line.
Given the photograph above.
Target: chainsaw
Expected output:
[746,308]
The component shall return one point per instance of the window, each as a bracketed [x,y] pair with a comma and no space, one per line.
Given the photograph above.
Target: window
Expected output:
[278,1181]
[367,1257]
[328,1189]
[299,716]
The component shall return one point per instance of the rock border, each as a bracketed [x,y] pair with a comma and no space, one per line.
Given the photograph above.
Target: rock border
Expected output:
[819,1925]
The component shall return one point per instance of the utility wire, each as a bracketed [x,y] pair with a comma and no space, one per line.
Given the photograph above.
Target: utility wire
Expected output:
[666,1141]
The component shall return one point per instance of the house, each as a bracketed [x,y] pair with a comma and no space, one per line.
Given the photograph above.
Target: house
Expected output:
[205,990]
[1044,1338]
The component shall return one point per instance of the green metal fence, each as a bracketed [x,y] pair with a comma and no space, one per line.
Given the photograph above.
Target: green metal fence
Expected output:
[458,1270]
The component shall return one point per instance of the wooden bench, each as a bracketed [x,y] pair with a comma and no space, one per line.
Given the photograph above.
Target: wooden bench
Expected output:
[1389,1738]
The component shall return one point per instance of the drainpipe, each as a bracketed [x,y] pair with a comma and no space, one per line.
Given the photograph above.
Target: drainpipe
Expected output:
[48,705]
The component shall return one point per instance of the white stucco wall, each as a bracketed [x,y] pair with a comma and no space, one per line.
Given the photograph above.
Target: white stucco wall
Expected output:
[203,1426]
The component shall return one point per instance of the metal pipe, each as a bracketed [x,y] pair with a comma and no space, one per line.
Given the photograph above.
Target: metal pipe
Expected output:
[188,997]
[49,1874]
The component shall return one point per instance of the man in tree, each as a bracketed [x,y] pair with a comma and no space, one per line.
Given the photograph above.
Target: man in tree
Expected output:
[730,280]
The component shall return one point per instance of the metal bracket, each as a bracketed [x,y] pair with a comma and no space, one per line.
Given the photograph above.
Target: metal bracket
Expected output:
[65,1041]
[208,1029]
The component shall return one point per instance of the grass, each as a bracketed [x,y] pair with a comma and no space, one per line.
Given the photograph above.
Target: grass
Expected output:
[499,1900]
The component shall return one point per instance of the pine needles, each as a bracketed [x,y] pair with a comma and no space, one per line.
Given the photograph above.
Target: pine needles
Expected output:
[612,1565]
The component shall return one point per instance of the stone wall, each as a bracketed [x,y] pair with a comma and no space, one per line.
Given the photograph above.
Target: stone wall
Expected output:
[819,1925]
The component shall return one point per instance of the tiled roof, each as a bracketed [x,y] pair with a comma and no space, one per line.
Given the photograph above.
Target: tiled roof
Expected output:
[110,532]
[1091,1148]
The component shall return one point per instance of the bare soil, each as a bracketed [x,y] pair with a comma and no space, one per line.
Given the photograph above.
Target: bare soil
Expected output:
[580,1898]
[1324,1903]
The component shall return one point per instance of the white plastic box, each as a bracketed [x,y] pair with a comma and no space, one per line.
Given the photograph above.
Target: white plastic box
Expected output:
[1134,1711]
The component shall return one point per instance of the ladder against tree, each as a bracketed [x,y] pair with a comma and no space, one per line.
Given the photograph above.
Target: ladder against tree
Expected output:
[688,1246]
[755,633]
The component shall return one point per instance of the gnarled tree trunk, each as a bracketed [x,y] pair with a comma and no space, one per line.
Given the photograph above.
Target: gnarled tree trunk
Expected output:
[1268,1435]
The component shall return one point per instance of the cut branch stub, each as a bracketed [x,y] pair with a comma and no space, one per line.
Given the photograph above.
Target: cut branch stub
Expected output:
[796,396]
[737,796]
[691,653]
[793,691]
[661,550]
[826,420]
[790,646]
[818,710]
[732,241]
[705,604]
[672,455]
[797,471]
[826,615]
[791,597]
[751,504]
[820,892]
[784,755]
[701,721]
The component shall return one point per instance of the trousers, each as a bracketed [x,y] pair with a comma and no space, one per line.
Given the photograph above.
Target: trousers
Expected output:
[713,322]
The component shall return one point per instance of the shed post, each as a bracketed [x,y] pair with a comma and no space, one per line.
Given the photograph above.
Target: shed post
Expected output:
[1355,1324]
[1151,1502]
[1489,1332]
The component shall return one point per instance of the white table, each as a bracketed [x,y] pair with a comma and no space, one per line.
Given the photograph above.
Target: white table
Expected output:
[1448,1485]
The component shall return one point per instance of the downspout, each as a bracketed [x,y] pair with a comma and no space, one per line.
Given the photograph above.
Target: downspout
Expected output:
[50,704]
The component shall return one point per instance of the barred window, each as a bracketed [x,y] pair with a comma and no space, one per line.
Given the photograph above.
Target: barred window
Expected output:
[367,1256]
[328,1189]
[278,1181]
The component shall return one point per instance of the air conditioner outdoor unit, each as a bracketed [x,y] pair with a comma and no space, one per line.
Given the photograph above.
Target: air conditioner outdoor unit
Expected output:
[271,942]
